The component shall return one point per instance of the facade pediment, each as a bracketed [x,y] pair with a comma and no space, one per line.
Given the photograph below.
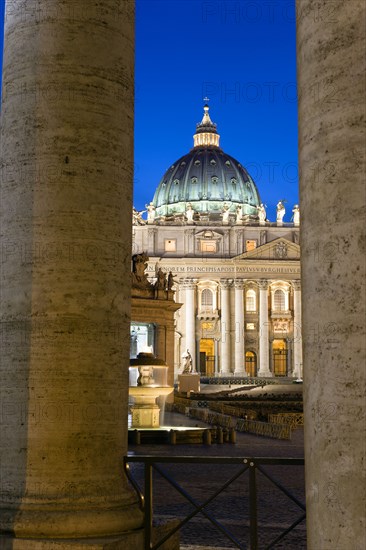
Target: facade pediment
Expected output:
[279,249]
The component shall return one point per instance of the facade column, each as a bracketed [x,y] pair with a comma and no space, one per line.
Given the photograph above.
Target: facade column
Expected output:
[189,241]
[263,329]
[239,328]
[331,53]
[297,338]
[216,365]
[225,285]
[66,202]
[151,233]
[190,288]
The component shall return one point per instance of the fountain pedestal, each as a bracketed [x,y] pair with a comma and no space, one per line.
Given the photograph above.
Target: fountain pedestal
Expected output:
[145,411]
[148,376]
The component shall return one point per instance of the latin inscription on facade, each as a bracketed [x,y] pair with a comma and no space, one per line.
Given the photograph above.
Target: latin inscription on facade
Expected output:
[227,269]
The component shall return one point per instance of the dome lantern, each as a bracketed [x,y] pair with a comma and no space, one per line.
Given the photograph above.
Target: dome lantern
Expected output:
[206,132]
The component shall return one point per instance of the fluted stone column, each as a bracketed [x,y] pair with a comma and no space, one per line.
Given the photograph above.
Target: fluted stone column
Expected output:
[66,186]
[225,285]
[331,55]
[297,348]
[239,328]
[190,289]
[263,329]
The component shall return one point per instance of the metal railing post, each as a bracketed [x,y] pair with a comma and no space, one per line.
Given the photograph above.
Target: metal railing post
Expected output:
[253,507]
[148,505]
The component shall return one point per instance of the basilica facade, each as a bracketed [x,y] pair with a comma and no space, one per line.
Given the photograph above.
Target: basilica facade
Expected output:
[236,273]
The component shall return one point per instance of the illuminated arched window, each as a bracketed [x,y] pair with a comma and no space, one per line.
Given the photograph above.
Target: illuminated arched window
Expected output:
[207,299]
[251,300]
[279,300]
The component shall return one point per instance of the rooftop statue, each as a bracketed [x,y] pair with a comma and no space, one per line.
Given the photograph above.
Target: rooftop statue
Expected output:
[189,213]
[139,266]
[281,211]
[262,214]
[161,281]
[225,213]
[296,214]
[150,212]
[137,217]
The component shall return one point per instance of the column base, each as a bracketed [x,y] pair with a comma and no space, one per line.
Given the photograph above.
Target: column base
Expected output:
[240,373]
[131,540]
[265,374]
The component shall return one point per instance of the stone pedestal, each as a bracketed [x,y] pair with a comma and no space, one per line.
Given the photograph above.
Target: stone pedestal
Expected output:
[67,150]
[331,84]
[145,415]
[145,410]
[189,382]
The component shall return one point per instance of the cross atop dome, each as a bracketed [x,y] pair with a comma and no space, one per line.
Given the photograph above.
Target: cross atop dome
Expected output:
[206,133]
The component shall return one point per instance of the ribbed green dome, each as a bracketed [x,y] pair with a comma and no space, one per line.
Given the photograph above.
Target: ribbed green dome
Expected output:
[207,178]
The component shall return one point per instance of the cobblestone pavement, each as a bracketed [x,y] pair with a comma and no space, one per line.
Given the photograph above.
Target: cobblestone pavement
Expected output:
[276,511]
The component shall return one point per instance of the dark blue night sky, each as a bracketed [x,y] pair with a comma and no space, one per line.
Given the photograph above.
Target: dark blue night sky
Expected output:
[242,55]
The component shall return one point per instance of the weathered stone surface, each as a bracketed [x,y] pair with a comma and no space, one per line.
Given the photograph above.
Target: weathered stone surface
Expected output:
[130,541]
[331,68]
[66,148]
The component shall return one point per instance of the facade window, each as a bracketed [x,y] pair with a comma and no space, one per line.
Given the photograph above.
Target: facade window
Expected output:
[250,326]
[250,245]
[251,300]
[207,299]
[279,300]
[208,246]
[170,245]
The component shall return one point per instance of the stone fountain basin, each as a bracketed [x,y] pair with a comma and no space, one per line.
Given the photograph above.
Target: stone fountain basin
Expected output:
[150,390]
[148,394]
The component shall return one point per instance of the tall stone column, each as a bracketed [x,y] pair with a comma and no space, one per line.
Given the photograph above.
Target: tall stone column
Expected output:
[331,54]
[297,348]
[263,329]
[239,328]
[66,186]
[190,288]
[225,285]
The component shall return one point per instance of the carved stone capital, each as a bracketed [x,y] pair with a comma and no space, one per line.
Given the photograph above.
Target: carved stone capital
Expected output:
[296,285]
[226,283]
[239,284]
[263,284]
[189,284]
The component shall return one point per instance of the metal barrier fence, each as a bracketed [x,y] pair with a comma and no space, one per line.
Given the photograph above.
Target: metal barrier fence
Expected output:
[294,420]
[276,431]
[251,466]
